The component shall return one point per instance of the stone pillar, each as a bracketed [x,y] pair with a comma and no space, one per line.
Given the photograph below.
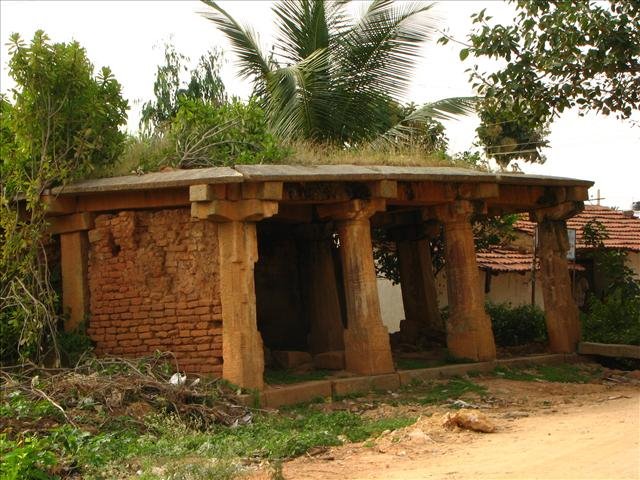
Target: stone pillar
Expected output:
[418,284]
[242,350]
[321,291]
[74,249]
[366,339]
[561,312]
[469,333]
[75,285]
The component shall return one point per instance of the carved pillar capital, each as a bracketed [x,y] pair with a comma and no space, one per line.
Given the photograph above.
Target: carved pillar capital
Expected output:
[457,211]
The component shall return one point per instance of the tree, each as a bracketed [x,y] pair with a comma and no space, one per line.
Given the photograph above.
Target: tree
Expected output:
[64,123]
[331,79]
[559,55]
[204,84]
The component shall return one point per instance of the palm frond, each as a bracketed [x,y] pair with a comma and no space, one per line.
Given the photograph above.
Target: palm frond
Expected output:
[253,63]
[302,28]
[380,51]
[298,101]
[445,109]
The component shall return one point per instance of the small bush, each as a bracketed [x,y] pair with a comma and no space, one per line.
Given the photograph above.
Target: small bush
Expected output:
[612,319]
[206,135]
[516,325]
[74,345]
[612,315]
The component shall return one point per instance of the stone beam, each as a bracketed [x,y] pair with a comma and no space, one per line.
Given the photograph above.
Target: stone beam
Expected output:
[366,339]
[76,222]
[57,205]
[109,201]
[432,193]
[383,189]
[469,333]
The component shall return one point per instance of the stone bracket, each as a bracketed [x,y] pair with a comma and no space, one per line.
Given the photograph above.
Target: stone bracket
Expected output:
[383,189]
[252,210]
[561,211]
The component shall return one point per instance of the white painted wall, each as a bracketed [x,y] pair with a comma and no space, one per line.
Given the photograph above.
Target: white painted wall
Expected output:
[391,307]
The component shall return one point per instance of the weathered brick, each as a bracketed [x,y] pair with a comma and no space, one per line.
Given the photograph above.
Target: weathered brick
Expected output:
[161,288]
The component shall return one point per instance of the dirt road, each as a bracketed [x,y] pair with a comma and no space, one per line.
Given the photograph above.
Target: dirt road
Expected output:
[592,434]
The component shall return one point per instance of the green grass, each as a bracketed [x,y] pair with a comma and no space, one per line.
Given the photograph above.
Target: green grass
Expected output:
[181,451]
[279,377]
[563,373]
[440,393]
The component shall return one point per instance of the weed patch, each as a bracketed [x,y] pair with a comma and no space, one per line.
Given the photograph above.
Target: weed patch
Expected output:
[416,363]
[563,373]
[453,389]
[167,445]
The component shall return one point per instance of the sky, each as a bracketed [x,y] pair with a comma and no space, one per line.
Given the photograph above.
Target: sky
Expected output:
[128,37]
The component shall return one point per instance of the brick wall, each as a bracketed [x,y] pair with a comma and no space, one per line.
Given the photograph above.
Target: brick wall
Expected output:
[154,285]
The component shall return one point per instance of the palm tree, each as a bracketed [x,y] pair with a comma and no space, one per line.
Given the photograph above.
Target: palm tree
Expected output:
[332,78]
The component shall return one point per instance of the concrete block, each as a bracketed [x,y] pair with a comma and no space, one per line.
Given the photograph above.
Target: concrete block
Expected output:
[251,400]
[329,360]
[350,386]
[390,381]
[291,358]
[298,393]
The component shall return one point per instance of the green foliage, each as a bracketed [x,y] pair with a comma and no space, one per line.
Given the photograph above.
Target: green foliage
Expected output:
[507,132]
[74,346]
[333,79]
[64,123]
[455,388]
[558,55]
[31,458]
[494,231]
[118,450]
[417,363]
[612,319]
[203,135]
[170,90]
[614,315]
[65,119]
[516,325]
[488,232]
[563,373]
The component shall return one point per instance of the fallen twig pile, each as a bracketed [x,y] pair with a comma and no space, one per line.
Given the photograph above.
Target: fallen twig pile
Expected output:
[134,388]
